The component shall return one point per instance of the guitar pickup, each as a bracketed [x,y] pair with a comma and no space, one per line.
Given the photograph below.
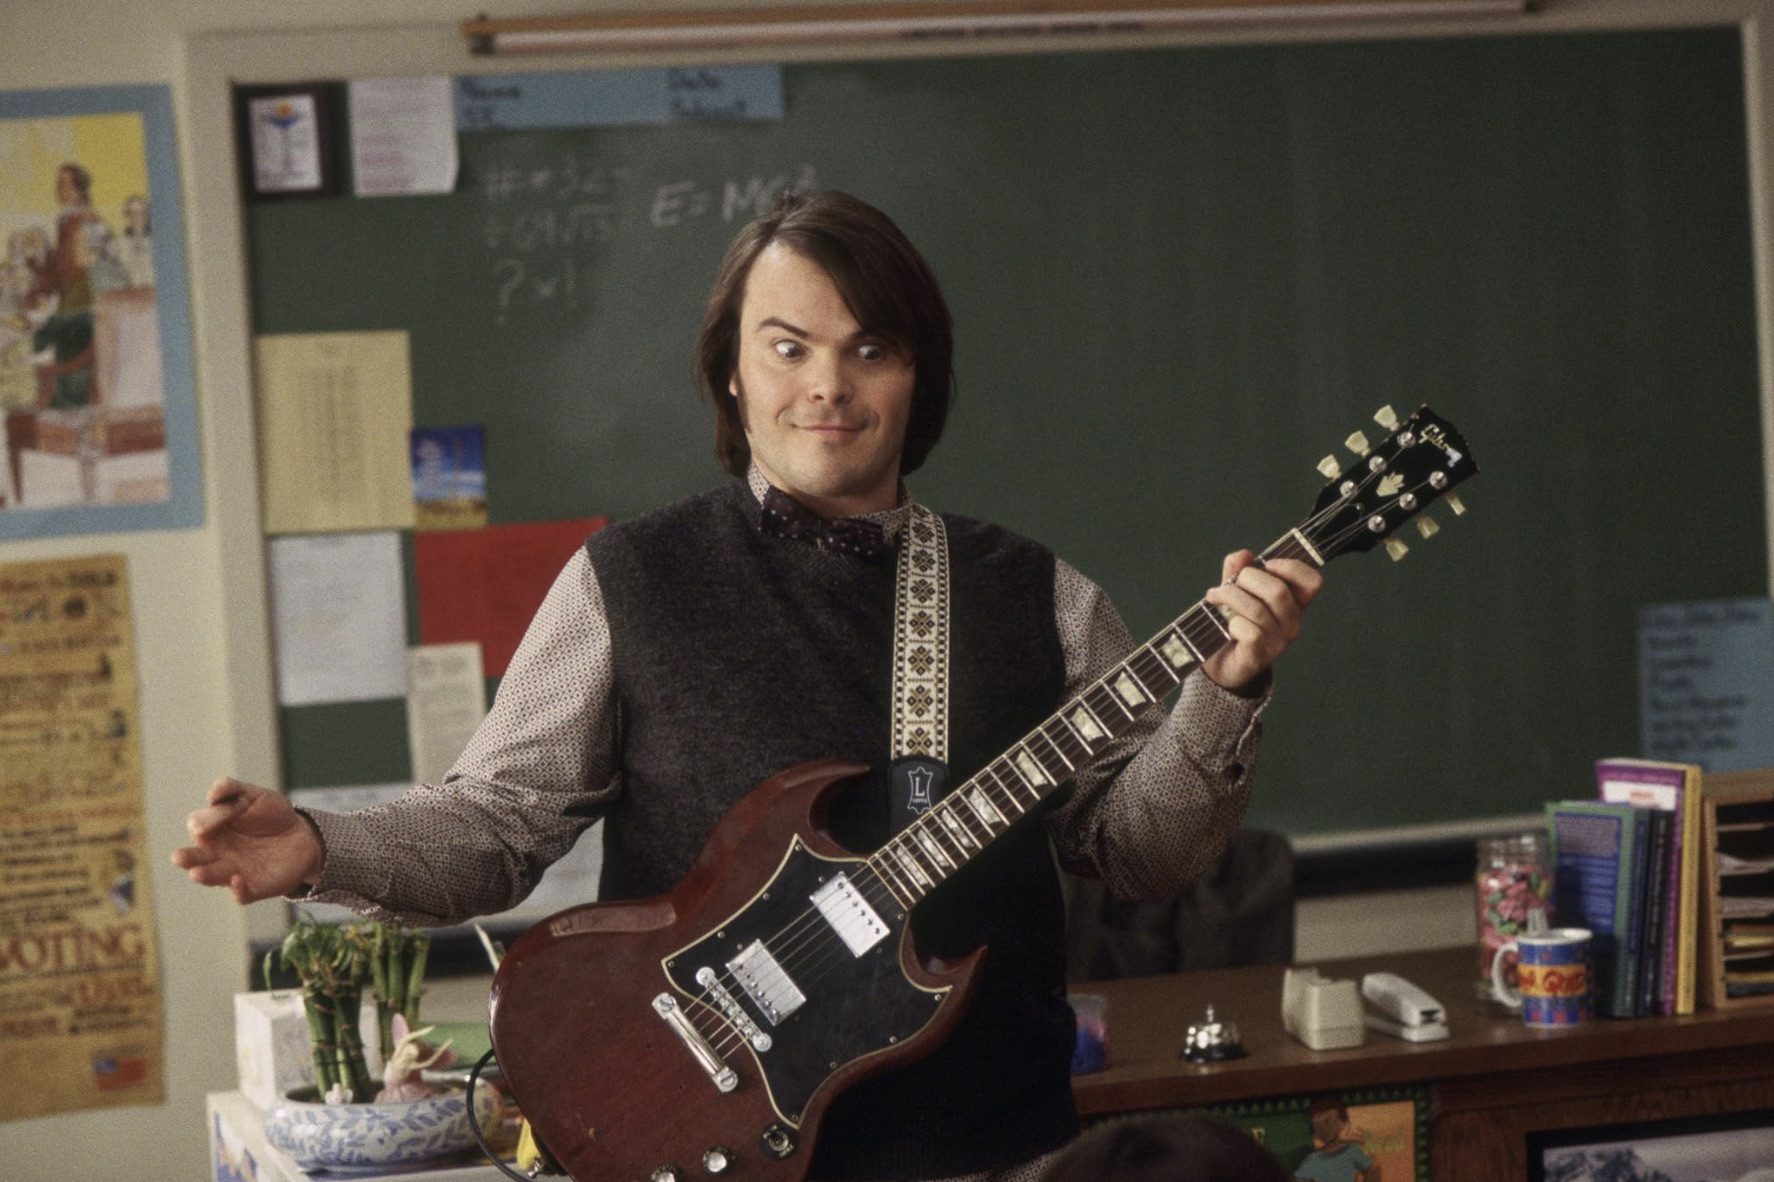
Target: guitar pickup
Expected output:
[850,915]
[771,989]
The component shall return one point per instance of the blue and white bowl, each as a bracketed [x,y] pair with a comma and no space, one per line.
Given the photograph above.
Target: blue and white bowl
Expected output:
[376,1137]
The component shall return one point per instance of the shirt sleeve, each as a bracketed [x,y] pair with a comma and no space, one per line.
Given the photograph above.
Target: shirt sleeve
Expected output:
[538,771]
[1154,810]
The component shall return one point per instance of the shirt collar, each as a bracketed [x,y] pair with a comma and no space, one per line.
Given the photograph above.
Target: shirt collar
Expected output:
[892,521]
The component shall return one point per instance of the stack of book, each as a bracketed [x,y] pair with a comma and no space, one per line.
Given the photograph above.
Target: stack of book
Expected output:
[1627,867]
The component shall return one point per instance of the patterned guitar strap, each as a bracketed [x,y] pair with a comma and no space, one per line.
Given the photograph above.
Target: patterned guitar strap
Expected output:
[919,770]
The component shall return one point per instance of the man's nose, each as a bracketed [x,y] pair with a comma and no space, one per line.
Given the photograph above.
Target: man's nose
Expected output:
[829,378]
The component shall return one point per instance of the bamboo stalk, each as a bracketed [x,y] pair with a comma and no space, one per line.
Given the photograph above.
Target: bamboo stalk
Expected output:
[415,989]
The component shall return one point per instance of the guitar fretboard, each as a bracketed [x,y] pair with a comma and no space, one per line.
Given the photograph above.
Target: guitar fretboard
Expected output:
[942,840]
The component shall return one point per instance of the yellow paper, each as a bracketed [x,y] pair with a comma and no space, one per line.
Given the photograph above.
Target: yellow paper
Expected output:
[80,1011]
[335,411]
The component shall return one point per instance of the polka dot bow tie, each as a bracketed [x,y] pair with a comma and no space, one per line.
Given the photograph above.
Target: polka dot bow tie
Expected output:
[785,517]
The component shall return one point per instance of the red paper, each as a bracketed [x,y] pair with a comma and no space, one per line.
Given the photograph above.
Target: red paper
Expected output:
[486,584]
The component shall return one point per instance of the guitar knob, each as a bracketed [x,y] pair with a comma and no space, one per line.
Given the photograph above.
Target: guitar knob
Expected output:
[1387,417]
[1329,467]
[1396,549]
[1426,527]
[667,1174]
[717,1160]
[1357,443]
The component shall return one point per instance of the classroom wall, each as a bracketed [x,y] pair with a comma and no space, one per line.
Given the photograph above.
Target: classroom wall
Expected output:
[190,701]
[198,594]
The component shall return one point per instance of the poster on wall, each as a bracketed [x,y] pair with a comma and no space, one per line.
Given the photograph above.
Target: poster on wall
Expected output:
[79,970]
[96,402]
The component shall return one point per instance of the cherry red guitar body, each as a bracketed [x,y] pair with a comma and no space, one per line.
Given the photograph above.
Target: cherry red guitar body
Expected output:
[707,1031]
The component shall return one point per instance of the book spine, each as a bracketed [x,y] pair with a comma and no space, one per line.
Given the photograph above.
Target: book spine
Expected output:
[1630,907]
[1653,998]
[1688,840]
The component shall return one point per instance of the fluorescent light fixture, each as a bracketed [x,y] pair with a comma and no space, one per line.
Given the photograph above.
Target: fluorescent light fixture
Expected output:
[934,20]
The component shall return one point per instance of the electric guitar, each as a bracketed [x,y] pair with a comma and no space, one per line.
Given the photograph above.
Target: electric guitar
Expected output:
[704,1033]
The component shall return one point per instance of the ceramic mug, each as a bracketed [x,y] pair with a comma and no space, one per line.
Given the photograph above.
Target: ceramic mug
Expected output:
[1553,971]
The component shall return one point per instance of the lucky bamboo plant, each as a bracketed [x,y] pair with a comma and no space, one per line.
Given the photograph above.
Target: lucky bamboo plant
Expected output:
[397,977]
[334,962]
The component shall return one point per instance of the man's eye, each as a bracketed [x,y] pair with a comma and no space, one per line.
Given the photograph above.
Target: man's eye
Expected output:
[788,350]
[871,352]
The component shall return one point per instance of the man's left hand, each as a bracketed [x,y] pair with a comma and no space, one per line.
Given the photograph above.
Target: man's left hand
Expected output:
[1262,608]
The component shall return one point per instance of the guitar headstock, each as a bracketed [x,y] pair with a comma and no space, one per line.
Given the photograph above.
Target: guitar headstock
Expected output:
[1421,461]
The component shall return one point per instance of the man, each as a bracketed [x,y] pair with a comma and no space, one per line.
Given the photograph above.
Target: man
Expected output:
[683,657]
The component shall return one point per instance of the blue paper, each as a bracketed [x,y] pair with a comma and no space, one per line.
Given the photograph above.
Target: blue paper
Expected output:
[594,98]
[1706,683]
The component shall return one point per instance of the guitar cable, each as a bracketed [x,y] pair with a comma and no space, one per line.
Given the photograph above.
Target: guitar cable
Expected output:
[480,1138]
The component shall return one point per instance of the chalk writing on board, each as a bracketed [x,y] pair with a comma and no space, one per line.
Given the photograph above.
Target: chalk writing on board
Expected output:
[534,282]
[677,202]
[545,218]
[1704,682]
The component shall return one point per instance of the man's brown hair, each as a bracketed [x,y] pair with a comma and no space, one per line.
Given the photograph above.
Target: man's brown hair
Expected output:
[885,283]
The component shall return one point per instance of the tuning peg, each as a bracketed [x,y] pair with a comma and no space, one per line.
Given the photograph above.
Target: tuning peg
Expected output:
[1357,443]
[1396,549]
[1329,467]
[1456,504]
[1426,527]
[1387,417]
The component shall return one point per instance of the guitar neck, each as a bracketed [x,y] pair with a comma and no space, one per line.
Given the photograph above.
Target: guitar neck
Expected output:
[946,837]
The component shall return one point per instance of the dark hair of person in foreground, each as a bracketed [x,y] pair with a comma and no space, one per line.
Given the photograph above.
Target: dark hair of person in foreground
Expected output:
[1172,1149]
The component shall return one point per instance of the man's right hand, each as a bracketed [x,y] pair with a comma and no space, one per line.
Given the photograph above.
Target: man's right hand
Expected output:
[251,841]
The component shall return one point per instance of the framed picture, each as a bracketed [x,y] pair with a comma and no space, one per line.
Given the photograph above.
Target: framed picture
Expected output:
[96,400]
[285,135]
[1688,1149]
[1382,1132]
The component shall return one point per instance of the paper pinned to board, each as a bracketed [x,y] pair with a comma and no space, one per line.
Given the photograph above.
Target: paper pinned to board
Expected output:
[403,136]
[605,98]
[1706,683]
[339,616]
[446,700]
[486,584]
[335,415]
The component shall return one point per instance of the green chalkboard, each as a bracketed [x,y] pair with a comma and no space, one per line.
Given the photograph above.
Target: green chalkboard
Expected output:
[1180,276]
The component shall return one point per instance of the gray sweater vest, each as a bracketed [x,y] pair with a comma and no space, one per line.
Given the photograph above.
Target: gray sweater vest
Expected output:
[738,656]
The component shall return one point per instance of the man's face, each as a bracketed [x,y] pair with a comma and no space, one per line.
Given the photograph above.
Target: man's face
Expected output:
[823,402]
[66,192]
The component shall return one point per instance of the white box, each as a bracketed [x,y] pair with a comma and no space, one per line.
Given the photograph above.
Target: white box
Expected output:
[271,1044]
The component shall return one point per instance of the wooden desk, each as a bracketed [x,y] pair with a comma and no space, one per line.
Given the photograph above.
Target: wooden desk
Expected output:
[1492,1082]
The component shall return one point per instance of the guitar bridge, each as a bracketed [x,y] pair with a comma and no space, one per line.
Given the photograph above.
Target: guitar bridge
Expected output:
[770,988]
[724,1077]
[730,1006]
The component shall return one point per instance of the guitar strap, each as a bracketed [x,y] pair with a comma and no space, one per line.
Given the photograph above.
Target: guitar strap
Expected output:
[920,746]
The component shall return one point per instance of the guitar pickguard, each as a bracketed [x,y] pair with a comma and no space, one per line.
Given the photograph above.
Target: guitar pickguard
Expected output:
[811,1001]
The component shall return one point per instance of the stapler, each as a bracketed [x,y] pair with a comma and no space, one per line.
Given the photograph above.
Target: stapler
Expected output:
[1404,1009]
